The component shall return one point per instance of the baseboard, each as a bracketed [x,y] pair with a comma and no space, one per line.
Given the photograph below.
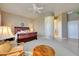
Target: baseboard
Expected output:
[74,38]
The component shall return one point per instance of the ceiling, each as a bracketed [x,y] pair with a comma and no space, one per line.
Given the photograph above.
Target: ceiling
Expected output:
[26,9]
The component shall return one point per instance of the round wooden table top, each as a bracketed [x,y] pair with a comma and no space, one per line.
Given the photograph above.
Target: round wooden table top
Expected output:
[43,50]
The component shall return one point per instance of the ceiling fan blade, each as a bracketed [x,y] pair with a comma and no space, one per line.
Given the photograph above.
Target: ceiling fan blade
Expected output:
[37,9]
[40,8]
[34,7]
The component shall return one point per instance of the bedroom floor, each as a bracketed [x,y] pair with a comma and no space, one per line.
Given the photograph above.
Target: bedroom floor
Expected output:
[72,45]
[62,48]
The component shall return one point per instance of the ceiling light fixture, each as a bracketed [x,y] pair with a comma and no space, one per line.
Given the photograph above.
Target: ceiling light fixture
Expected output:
[55,17]
[36,8]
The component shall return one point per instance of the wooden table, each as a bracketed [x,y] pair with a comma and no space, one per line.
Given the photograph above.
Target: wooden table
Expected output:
[43,50]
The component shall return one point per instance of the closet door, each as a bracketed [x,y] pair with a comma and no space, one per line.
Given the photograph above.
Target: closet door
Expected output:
[49,26]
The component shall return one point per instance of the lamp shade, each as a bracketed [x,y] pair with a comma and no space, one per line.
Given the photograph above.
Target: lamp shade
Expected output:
[5,32]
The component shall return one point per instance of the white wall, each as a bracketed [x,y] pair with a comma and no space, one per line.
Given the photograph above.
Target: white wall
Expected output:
[39,26]
[64,26]
[14,20]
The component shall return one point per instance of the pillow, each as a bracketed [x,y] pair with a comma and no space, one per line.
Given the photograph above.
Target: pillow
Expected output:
[23,31]
[5,47]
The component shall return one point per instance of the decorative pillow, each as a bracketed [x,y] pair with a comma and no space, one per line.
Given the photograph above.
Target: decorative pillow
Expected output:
[5,47]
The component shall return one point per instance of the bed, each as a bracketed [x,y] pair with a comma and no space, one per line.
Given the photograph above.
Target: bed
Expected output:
[24,34]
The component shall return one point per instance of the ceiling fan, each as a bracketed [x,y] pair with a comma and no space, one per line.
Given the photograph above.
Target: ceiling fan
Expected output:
[37,9]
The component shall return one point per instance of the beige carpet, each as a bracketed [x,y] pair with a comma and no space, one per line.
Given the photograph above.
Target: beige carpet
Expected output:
[59,48]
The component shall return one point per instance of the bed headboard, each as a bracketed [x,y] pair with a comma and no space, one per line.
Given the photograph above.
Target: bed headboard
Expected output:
[16,29]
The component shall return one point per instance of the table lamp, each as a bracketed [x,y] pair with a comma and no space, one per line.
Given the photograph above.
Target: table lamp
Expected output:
[5,32]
